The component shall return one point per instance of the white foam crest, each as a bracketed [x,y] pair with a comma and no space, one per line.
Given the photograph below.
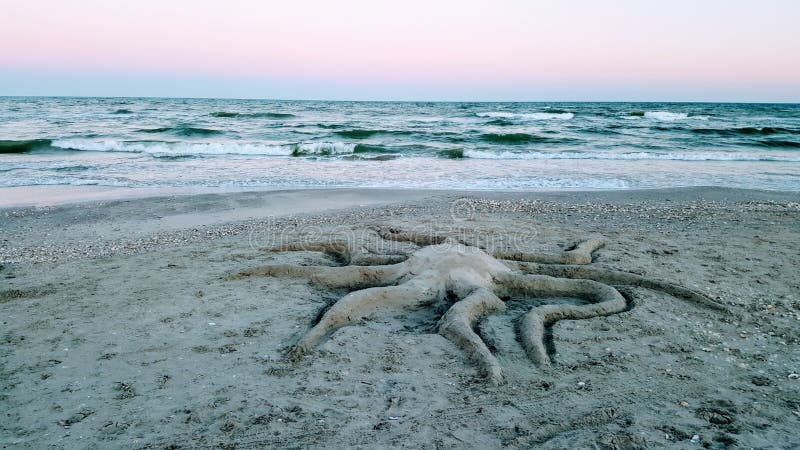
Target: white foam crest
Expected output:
[56,181]
[206,148]
[527,116]
[325,148]
[672,156]
[666,116]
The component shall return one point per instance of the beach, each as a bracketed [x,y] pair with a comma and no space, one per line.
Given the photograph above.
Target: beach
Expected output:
[381,225]
[123,327]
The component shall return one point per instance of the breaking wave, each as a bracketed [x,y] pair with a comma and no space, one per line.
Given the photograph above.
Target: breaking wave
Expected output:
[322,149]
[173,149]
[24,146]
[666,116]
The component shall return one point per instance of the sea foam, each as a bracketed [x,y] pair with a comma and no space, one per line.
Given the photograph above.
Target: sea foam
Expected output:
[666,116]
[668,156]
[157,148]
[527,116]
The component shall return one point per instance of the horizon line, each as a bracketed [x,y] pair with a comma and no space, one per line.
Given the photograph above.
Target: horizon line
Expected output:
[732,102]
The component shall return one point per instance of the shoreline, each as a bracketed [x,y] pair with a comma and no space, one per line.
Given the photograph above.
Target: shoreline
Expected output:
[129,225]
[107,227]
[63,195]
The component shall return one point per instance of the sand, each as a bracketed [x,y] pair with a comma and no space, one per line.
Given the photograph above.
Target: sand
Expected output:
[121,329]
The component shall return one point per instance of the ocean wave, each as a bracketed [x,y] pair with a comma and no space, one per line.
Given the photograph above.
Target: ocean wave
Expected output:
[785,144]
[259,115]
[370,148]
[607,130]
[527,116]
[194,131]
[183,131]
[154,130]
[358,157]
[778,130]
[174,150]
[64,181]
[744,131]
[556,111]
[74,168]
[322,149]
[164,157]
[672,156]
[523,138]
[356,134]
[24,146]
[163,149]
[501,122]
[666,116]
[451,154]
[363,134]
[508,138]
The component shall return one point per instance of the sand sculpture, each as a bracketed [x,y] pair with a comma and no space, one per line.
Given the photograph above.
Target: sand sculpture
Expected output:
[442,269]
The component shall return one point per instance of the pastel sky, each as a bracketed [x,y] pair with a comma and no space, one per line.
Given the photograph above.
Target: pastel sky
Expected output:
[526,50]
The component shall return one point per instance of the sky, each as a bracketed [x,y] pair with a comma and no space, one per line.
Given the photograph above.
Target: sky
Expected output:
[470,50]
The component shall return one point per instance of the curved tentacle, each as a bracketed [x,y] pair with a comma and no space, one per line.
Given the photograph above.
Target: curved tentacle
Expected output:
[343,253]
[605,300]
[370,303]
[393,234]
[619,278]
[339,251]
[378,260]
[350,277]
[457,326]
[580,254]
[278,271]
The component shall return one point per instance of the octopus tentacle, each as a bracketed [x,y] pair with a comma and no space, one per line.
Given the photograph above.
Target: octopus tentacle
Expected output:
[378,260]
[342,252]
[605,300]
[345,277]
[372,302]
[619,278]
[457,326]
[580,254]
[423,240]
[339,251]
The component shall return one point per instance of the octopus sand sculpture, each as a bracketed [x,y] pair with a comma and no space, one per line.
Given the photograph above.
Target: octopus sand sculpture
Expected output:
[442,268]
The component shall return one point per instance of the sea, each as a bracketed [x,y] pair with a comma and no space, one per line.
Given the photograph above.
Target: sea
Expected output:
[268,144]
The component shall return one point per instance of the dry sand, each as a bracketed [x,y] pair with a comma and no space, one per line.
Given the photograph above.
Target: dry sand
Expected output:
[120,330]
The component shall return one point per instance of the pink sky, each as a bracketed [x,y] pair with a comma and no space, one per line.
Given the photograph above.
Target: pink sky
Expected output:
[427,44]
